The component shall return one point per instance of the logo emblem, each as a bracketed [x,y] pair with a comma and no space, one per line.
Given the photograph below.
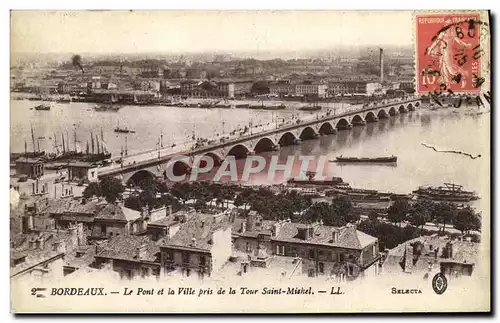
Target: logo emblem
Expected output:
[439,283]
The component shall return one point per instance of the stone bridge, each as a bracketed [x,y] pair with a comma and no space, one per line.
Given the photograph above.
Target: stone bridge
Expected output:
[263,140]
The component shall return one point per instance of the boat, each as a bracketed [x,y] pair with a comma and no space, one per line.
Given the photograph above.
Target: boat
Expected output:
[63,100]
[311,108]
[123,130]
[332,181]
[389,159]
[43,107]
[107,107]
[275,107]
[448,192]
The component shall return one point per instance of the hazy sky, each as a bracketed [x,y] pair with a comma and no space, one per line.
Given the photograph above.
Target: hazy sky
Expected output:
[194,31]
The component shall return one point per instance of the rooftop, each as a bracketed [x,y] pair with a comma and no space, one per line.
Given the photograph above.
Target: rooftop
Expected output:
[349,237]
[200,228]
[116,211]
[130,248]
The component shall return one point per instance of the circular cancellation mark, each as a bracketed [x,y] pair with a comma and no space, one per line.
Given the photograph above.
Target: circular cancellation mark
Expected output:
[439,283]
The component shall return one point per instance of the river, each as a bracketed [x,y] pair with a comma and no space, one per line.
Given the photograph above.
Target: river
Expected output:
[401,135]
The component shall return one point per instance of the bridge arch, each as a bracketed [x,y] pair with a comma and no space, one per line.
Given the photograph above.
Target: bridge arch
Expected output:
[326,129]
[357,120]
[402,109]
[392,111]
[287,139]
[140,176]
[308,133]
[217,158]
[417,104]
[371,117]
[382,114]
[238,151]
[343,124]
[410,107]
[264,144]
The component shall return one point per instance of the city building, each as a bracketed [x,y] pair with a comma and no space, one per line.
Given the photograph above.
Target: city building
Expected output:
[342,252]
[68,211]
[201,246]
[32,167]
[427,254]
[130,256]
[310,89]
[337,88]
[113,220]
[280,88]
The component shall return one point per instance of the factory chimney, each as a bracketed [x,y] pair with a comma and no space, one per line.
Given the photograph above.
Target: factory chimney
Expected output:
[381,63]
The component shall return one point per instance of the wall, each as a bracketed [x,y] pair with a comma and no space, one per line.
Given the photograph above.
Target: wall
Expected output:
[135,270]
[221,248]
[173,259]
[369,253]
[46,272]
[116,228]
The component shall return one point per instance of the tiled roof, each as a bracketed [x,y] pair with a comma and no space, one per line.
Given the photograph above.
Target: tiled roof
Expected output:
[199,227]
[323,235]
[80,258]
[69,205]
[349,237]
[164,222]
[126,247]
[116,211]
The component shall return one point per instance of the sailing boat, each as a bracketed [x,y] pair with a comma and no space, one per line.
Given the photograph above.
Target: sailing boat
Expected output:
[122,130]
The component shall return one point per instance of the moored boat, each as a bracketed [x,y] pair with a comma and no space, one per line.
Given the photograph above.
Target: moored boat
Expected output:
[448,192]
[43,107]
[311,108]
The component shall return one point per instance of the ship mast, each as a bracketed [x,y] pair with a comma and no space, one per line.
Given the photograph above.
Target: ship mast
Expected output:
[92,141]
[74,137]
[63,144]
[33,139]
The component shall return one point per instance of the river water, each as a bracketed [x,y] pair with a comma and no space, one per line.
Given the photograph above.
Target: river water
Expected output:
[401,135]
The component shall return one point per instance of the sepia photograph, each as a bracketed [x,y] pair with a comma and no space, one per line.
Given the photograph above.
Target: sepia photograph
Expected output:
[244,161]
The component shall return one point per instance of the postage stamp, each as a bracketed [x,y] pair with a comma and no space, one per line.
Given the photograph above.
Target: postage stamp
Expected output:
[449,52]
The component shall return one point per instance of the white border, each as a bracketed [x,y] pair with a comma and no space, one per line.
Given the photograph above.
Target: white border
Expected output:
[191,4]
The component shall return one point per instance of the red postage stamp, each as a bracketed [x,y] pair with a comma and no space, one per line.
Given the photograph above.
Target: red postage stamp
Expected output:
[448,53]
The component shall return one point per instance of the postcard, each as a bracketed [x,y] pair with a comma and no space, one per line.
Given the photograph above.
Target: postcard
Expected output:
[250,161]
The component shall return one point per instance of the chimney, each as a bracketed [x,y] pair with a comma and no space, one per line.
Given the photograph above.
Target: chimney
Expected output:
[31,243]
[193,242]
[142,252]
[40,243]
[202,224]
[79,233]
[73,232]
[335,236]
[243,226]
[381,62]
[276,229]
[169,210]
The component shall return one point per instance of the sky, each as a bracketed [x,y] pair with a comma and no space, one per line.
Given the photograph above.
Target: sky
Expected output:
[201,31]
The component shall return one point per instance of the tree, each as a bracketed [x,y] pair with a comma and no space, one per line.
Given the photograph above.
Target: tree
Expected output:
[373,216]
[93,189]
[444,213]
[466,220]
[110,188]
[420,212]
[397,211]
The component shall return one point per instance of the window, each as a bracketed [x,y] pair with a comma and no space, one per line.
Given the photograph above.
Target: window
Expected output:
[321,268]
[374,249]
[202,260]
[341,256]
[311,253]
[144,272]
[156,272]
[248,247]
[103,228]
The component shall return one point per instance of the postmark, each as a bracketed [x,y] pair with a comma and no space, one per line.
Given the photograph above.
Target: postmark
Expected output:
[439,283]
[449,53]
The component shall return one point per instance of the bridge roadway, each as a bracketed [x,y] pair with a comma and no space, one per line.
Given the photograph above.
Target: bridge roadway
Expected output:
[136,162]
